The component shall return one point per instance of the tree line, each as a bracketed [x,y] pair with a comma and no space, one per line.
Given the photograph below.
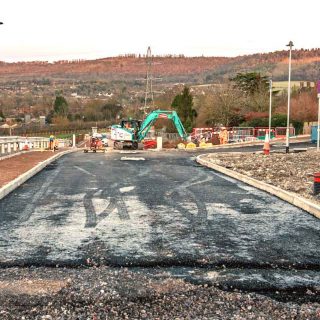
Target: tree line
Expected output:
[242,100]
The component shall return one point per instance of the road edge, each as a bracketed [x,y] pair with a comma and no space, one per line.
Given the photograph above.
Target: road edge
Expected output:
[287,196]
[17,182]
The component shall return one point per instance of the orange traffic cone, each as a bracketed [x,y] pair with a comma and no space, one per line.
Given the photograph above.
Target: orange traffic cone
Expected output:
[266,145]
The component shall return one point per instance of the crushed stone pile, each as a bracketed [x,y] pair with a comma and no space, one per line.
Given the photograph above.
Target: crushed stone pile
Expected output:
[108,293]
[292,172]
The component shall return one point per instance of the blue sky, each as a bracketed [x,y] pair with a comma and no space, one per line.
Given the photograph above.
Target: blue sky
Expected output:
[70,29]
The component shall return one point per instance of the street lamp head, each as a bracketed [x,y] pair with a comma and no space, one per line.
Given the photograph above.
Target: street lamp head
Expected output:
[290,44]
[1,22]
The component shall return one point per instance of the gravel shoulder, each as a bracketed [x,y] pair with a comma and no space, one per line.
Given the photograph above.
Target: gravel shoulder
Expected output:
[292,172]
[109,293]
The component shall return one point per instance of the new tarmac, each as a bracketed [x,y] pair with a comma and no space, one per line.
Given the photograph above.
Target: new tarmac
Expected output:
[165,211]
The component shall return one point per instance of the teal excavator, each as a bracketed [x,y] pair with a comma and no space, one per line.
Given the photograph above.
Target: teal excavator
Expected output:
[129,133]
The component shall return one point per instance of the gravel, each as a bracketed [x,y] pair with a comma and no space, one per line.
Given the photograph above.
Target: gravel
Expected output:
[292,172]
[109,293]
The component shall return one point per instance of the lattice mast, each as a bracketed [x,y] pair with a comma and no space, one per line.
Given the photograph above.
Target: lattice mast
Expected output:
[149,89]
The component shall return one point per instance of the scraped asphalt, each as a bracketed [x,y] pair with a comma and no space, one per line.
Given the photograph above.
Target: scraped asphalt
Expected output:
[162,213]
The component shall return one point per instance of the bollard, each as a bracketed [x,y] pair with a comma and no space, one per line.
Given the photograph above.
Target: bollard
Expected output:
[2,148]
[159,143]
[316,183]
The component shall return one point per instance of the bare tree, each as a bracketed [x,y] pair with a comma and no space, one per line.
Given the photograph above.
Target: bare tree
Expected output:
[222,106]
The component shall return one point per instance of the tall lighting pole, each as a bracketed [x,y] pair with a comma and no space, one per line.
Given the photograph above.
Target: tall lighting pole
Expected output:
[318,128]
[290,45]
[270,106]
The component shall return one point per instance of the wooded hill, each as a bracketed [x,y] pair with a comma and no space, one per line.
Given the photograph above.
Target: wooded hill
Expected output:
[305,66]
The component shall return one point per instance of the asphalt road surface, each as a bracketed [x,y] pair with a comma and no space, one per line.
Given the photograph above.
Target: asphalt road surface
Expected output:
[162,213]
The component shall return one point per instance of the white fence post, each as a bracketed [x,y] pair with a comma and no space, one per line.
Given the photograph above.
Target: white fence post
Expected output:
[9,147]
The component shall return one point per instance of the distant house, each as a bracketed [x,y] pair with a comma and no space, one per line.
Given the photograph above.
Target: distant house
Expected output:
[27,118]
[42,120]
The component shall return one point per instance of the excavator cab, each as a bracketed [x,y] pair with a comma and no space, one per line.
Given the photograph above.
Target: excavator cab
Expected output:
[133,125]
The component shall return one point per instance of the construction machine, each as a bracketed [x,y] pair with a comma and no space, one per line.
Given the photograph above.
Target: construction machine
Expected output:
[95,144]
[130,133]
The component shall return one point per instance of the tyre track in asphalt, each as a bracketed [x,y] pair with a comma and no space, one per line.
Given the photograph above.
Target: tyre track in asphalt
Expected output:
[181,201]
[115,202]
[166,226]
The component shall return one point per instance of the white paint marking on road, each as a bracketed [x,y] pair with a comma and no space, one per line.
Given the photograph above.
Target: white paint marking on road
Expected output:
[126,189]
[132,159]
[128,152]
[84,171]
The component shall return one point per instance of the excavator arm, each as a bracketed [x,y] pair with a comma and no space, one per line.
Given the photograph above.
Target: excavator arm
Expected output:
[162,114]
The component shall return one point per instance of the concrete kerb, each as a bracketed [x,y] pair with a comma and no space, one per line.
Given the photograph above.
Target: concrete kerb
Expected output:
[287,196]
[12,185]
[248,143]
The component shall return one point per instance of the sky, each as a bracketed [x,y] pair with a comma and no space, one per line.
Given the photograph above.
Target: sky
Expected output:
[53,30]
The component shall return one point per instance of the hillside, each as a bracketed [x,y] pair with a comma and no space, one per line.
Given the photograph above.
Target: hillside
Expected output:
[305,66]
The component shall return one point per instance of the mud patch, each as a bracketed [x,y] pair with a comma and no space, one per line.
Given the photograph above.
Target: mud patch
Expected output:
[31,287]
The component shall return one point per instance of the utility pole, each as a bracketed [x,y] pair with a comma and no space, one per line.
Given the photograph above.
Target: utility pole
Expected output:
[270,106]
[318,128]
[290,45]
[149,89]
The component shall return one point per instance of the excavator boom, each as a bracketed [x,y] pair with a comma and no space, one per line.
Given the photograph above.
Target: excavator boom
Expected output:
[161,114]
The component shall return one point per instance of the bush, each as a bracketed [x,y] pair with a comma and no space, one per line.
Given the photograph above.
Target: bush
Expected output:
[298,125]
[257,122]
[279,120]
